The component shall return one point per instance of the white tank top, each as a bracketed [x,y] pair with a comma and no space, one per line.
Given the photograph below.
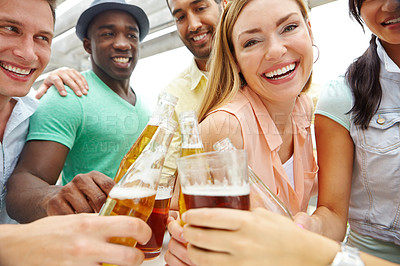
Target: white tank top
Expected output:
[288,166]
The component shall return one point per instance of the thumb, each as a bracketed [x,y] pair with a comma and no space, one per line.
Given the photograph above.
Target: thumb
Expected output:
[303,220]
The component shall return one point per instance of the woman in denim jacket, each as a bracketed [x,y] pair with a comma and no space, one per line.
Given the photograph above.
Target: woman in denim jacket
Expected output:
[357,127]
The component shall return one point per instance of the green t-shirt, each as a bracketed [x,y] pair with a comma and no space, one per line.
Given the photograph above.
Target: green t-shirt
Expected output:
[99,128]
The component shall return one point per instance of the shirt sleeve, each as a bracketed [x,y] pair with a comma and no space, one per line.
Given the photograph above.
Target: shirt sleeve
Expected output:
[335,102]
[57,118]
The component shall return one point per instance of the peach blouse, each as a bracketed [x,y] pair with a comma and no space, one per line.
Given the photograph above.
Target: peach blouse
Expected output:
[262,142]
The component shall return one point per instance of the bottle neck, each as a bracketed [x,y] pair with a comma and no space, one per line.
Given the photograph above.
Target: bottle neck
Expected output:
[191,140]
[164,110]
[160,141]
[147,167]
[224,145]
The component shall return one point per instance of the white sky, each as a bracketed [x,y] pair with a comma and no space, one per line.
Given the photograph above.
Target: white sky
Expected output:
[339,39]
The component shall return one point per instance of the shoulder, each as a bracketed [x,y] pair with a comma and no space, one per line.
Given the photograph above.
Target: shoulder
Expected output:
[181,82]
[336,88]
[89,75]
[219,117]
[219,125]
[52,97]
[335,92]
[52,104]
[94,82]
[237,104]
[336,101]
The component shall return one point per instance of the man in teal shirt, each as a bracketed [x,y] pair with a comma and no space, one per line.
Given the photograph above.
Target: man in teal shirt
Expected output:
[73,135]
[98,129]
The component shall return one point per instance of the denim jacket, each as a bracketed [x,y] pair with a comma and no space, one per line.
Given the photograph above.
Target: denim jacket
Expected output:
[375,192]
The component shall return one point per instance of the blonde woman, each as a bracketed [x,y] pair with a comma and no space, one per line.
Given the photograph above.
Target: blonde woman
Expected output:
[260,67]
[259,71]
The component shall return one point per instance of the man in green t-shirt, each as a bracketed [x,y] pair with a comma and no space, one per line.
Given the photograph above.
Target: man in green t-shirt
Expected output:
[89,134]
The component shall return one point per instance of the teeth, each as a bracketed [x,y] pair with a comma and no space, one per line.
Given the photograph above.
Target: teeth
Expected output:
[279,72]
[16,70]
[122,60]
[197,38]
[393,21]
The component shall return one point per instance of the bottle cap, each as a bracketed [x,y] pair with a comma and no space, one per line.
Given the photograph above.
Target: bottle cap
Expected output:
[165,96]
[223,145]
[169,124]
[187,114]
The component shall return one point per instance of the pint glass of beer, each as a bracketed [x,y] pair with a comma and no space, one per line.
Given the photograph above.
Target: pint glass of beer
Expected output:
[215,179]
[260,194]
[158,218]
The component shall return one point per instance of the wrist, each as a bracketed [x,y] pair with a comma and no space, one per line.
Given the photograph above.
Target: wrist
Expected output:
[10,242]
[327,249]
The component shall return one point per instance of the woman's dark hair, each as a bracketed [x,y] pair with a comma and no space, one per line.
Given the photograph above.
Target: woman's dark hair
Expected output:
[363,77]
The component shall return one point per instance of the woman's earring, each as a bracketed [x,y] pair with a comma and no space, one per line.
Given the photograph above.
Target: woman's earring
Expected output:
[315,55]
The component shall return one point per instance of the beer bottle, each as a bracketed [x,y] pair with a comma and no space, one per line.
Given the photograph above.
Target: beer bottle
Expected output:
[191,144]
[135,193]
[164,110]
[260,193]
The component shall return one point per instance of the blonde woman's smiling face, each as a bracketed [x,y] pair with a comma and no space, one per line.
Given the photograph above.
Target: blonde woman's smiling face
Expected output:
[273,48]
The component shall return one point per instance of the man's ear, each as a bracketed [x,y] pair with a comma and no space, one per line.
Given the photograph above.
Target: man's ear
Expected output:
[87,45]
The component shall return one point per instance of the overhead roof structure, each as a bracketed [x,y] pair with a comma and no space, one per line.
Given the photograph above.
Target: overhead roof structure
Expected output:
[67,49]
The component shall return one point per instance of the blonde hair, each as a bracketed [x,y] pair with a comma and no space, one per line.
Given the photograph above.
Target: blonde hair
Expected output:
[224,80]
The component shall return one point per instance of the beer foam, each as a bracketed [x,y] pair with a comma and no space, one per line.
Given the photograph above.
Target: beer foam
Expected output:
[164,193]
[123,193]
[210,190]
[193,146]
[144,174]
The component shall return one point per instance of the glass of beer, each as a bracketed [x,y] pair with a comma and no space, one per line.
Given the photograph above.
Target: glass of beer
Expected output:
[215,180]
[158,218]
[260,194]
